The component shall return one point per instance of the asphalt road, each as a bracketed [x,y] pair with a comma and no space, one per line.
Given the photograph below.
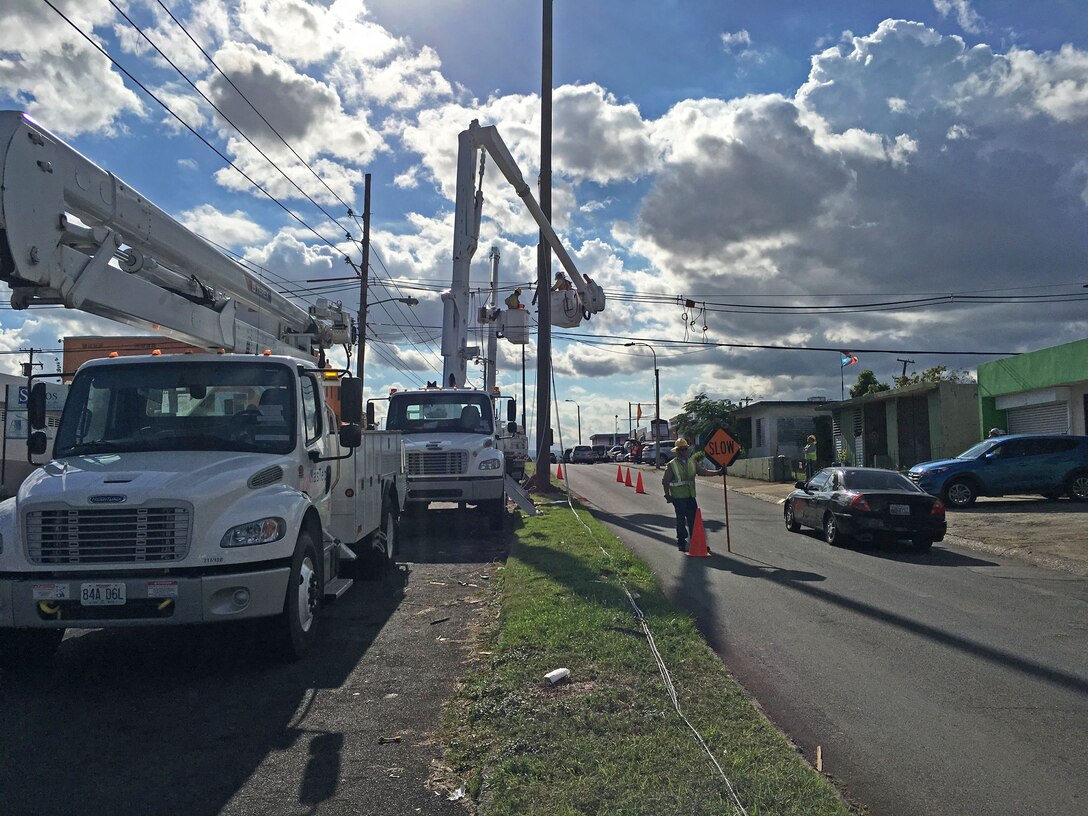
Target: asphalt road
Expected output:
[203,721]
[935,683]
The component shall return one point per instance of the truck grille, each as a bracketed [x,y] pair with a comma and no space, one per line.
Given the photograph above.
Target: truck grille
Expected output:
[113,536]
[437,463]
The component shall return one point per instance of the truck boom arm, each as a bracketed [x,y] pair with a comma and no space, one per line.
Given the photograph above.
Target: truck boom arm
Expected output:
[466,233]
[131,262]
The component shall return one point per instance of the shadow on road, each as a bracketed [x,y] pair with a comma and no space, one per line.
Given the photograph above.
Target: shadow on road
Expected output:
[176,720]
[904,552]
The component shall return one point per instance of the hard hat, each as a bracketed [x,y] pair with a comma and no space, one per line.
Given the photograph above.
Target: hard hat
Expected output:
[681,444]
[811,438]
[996,432]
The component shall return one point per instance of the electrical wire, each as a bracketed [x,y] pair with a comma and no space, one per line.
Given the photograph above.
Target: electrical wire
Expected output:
[189,128]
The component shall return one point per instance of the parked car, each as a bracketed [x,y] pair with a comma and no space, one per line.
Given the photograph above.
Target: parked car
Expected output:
[865,503]
[566,455]
[600,453]
[1023,463]
[615,452]
[583,454]
[554,458]
[649,453]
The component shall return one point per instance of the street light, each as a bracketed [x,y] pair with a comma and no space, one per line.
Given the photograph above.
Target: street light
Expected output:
[579,407]
[364,308]
[657,403]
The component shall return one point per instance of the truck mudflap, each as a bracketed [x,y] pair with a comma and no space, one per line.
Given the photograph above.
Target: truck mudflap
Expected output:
[109,601]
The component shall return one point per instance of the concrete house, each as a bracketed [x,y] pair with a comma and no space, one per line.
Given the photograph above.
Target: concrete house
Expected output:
[778,427]
[1043,391]
[905,426]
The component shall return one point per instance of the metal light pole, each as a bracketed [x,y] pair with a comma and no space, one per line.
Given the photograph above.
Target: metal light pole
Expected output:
[657,403]
[579,407]
[364,307]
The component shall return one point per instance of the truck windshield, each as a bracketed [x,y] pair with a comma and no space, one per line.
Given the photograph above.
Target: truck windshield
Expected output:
[167,406]
[440,411]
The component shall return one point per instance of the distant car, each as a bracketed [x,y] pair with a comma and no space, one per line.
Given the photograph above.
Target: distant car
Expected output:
[615,452]
[649,453]
[554,458]
[583,454]
[867,504]
[1048,464]
[600,453]
[566,455]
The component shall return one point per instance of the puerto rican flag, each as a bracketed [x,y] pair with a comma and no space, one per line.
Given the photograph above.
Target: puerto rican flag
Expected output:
[847,358]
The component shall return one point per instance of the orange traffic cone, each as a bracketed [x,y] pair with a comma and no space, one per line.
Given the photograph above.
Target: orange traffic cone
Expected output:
[638,485]
[698,548]
[619,473]
[559,471]
[627,481]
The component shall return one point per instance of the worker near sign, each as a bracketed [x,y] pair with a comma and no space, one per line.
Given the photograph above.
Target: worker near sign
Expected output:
[679,485]
[810,456]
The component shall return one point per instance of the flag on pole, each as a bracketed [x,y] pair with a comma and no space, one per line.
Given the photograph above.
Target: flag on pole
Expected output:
[638,416]
[847,358]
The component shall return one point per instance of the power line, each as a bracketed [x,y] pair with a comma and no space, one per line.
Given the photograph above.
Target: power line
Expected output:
[189,128]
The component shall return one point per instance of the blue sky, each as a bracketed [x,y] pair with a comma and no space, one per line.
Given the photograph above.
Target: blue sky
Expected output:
[753,157]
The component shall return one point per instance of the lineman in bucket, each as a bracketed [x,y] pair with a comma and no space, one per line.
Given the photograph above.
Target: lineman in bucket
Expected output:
[679,485]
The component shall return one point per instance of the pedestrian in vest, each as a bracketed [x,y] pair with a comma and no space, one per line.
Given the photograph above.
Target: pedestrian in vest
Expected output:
[810,456]
[679,485]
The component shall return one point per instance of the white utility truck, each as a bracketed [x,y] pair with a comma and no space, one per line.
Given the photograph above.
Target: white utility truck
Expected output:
[457,448]
[185,488]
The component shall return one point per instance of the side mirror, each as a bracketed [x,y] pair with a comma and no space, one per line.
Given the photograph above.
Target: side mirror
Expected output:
[36,443]
[370,416]
[351,400]
[351,436]
[512,411]
[35,407]
[511,427]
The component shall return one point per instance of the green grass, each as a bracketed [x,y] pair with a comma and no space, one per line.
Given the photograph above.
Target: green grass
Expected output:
[609,742]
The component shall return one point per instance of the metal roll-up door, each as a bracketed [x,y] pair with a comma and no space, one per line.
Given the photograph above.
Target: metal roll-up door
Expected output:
[1051,418]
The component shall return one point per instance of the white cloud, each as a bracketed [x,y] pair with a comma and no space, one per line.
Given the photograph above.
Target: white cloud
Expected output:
[49,68]
[730,40]
[229,229]
[968,19]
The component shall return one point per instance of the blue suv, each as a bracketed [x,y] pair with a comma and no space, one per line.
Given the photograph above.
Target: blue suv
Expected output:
[1021,463]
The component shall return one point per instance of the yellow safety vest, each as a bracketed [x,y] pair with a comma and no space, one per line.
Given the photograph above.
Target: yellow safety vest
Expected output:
[810,451]
[682,485]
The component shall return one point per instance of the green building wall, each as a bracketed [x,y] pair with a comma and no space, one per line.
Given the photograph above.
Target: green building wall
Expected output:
[1045,368]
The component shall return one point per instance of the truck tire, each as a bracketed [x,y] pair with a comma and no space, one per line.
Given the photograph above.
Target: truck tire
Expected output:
[496,512]
[960,493]
[295,627]
[22,650]
[380,547]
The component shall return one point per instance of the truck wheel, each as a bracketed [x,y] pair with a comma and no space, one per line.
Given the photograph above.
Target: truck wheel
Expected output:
[296,625]
[25,649]
[1077,487]
[380,547]
[496,513]
[960,493]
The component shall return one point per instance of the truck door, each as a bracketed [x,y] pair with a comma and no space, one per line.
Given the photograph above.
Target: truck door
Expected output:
[319,474]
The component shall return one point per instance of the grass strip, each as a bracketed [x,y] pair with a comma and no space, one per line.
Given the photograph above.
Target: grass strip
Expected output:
[609,741]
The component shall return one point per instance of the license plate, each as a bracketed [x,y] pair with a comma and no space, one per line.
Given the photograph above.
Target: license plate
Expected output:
[899,509]
[102,594]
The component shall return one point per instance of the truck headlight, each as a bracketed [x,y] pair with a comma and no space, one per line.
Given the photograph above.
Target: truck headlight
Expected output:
[261,531]
[490,464]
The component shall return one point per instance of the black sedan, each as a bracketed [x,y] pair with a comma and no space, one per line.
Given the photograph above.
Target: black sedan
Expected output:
[865,504]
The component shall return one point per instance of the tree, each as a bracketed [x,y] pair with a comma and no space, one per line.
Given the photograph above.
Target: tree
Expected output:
[867,384]
[702,416]
[938,373]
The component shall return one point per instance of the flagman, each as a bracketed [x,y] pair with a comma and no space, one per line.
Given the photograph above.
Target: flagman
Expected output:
[679,485]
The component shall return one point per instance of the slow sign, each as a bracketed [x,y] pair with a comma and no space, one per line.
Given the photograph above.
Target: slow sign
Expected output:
[721,449]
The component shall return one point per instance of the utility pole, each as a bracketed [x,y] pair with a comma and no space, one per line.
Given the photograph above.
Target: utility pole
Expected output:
[544,253]
[904,362]
[364,276]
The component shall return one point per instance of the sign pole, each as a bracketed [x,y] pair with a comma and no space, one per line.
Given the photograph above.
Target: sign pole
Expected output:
[725,493]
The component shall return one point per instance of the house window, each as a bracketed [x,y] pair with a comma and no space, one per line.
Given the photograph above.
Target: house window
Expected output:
[759,433]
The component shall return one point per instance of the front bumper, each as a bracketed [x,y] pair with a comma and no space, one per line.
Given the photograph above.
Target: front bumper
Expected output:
[151,600]
[458,489]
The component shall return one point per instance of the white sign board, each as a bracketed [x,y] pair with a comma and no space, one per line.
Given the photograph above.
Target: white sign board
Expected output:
[16,422]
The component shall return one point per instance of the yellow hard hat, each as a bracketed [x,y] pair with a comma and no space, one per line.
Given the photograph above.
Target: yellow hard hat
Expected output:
[681,444]
[811,438]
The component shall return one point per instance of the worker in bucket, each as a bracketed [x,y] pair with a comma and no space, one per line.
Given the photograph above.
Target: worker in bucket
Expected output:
[679,485]
[810,456]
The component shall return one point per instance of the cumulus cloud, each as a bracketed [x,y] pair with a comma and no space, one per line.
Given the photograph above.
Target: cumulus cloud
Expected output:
[229,229]
[47,67]
[967,17]
[731,40]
